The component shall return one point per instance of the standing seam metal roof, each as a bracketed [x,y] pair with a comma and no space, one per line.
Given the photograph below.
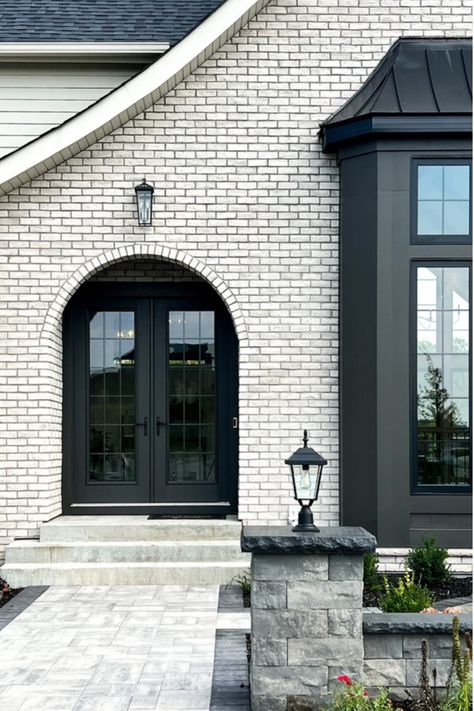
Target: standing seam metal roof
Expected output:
[417,76]
[101,20]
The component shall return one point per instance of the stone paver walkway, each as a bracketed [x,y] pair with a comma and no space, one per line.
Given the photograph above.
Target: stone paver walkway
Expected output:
[111,649]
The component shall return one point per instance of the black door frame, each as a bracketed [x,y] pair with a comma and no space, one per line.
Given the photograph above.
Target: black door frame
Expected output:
[75,373]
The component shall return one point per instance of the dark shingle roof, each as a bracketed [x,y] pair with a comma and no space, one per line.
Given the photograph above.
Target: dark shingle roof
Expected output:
[101,20]
[416,76]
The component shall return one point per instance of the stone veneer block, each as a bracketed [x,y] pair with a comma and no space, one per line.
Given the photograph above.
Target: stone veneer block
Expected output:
[317,595]
[343,667]
[286,680]
[440,646]
[442,667]
[300,703]
[292,566]
[346,567]
[383,646]
[329,651]
[290,623]
[345,623]
[269,703]
[270,652]
[385,672]
[267,595]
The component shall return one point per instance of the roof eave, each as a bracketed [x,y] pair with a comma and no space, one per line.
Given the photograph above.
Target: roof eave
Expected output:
[60,50]
[129,100]
[365,127]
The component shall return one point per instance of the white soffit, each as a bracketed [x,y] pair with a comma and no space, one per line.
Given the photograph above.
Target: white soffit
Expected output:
[126,102]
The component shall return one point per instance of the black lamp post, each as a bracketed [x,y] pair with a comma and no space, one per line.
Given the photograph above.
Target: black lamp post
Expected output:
[306,468]
[144,196]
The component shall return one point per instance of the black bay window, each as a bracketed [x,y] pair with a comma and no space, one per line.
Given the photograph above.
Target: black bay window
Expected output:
[404,150]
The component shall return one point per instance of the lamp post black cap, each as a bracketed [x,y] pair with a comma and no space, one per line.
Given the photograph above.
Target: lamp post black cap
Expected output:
[306,455]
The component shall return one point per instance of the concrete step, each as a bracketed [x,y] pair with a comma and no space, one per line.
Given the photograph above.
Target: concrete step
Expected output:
[66,529]
[207,573]
[24,551]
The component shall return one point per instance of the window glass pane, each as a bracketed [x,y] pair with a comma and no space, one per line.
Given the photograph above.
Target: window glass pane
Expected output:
[430,217]
[428,341]
[111,397]
[443,200]
[427,296]
[430,182]
[456,217]
[456,182]
[192,407]
[443,377]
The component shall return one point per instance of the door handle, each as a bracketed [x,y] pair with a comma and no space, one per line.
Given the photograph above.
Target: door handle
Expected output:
[158,425]
[143,424]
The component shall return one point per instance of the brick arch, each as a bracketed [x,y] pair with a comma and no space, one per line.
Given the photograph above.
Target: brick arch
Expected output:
[51,331]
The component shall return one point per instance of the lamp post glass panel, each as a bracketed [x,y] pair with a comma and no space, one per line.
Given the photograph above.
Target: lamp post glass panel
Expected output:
[306,468]
[144,194]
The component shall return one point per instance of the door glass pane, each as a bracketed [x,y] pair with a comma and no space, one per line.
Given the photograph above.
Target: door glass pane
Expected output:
[443,375]
[192,408]
[112,397]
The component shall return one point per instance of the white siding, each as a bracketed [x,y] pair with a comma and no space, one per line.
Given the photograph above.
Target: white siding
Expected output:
[34,99]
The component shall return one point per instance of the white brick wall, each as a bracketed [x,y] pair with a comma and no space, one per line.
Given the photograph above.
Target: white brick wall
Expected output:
[241,187]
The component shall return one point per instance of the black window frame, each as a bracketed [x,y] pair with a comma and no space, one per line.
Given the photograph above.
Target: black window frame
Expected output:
[415,487]
[415,238]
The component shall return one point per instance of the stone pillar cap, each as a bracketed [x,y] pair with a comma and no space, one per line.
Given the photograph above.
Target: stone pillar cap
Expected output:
[282,539]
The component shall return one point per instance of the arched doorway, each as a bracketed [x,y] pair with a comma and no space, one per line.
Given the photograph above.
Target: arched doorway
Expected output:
[150,396]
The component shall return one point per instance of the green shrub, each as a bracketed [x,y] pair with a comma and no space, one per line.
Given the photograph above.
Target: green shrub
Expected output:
[372,577]
[428,564]
[405,595]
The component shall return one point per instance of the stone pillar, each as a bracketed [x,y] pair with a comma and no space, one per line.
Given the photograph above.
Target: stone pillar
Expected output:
[306,613]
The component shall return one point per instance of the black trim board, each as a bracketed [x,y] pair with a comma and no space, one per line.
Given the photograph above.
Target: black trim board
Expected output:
[356,130]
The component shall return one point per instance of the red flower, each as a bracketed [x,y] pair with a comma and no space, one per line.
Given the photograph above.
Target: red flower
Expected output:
[366,693]
[344,678]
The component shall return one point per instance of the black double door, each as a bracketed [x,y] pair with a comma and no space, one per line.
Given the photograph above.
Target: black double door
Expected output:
[150,401]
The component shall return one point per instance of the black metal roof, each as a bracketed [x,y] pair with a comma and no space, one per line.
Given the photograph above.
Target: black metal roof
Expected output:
[418,77]
[101,20]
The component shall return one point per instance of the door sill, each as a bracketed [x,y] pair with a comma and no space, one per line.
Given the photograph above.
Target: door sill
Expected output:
[217,509]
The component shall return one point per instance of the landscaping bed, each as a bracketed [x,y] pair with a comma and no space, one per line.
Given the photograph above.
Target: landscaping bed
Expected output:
[6,593]
[454,588]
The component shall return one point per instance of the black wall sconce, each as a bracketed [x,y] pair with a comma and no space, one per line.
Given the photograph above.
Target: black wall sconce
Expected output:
[144,197]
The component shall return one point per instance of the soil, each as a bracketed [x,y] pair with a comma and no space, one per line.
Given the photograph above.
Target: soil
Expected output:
[6,593]
[456,587]
[247,598]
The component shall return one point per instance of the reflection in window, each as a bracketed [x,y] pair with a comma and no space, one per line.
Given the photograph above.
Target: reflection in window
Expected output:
[443,200]
[112,396]
[192,404]
[443,432]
